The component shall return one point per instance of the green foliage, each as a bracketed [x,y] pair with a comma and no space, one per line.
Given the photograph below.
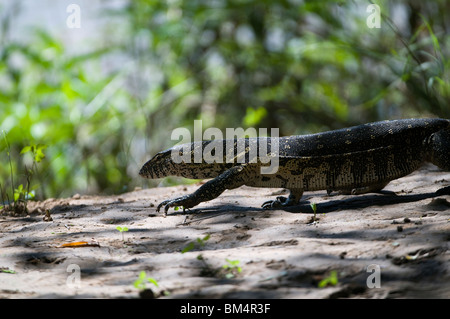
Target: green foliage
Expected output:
[254,116]
[21,194]
[122,230]
[36,150]
[314,208]
[300,66]
[140,283]
[7,270]
[330,280]
[232,268]
[200,242]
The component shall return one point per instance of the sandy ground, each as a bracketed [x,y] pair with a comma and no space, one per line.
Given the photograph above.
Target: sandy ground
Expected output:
[389,245]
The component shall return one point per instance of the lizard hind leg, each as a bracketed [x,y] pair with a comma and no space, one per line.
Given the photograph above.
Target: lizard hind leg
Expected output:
[281,201]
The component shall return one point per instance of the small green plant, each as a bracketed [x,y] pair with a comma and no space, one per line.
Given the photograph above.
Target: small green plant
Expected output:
[20,196]
[232,268]
[22,193]
[141,282]
[331,280]
[122,230]
[7,271]
[5,197]
[199,242]
[37,152]
[313,220]
[38,155]
[314,208]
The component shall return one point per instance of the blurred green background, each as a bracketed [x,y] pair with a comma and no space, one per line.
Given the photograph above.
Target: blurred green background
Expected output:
[105,97]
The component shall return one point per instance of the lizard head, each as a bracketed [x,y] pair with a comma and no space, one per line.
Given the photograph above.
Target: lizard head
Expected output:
[175,161]
[440,149]
[158,166]
[180,160]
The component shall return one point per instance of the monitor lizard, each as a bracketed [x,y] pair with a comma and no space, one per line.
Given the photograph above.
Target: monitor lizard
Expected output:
[357,160]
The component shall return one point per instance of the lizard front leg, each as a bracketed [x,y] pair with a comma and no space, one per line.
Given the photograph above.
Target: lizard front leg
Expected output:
[231,178]
[281,201]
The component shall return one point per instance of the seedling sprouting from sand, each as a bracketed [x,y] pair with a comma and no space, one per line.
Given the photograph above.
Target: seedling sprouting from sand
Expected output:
[199,242]
[314,208]
[122,230]
[140,283]
[232,268]
[313,220]
[331,280]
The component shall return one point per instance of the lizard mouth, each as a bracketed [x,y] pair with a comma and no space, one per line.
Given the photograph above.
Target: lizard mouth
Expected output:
[144,172]
[152,171]
[155,167]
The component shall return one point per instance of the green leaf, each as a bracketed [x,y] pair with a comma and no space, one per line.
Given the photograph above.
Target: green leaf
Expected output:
[39,153]
[122,229]
[29,195]
[254,116]
[37,150]
[142,275]
[331,280]
[26,149]
[153,281]
[232,264]
[7,271]
[18,192]
[140,282]
[202,241]
[189,247]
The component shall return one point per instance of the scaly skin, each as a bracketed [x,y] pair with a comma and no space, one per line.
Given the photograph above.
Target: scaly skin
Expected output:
[357,160]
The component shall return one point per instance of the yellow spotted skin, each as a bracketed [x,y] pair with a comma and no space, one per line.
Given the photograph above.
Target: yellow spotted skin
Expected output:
[357,159]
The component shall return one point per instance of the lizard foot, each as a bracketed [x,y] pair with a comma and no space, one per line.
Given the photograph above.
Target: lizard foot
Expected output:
[280,201]
[185,201]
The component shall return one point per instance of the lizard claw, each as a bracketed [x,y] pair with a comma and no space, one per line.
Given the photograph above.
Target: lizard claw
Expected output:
[185,201]
[165,204]
[276,203]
